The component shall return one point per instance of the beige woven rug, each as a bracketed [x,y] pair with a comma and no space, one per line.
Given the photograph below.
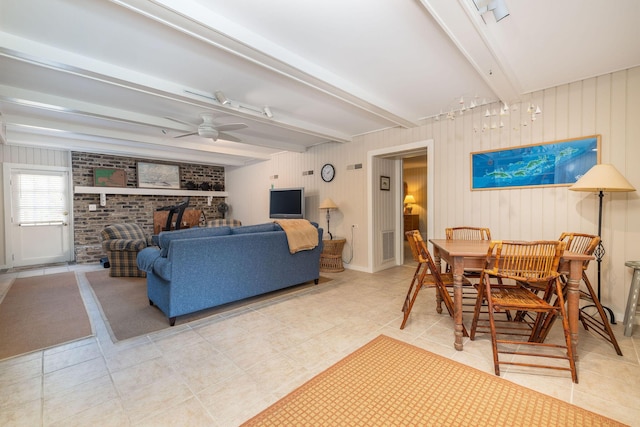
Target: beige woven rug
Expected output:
[391,383]
[126,311]
[40,312]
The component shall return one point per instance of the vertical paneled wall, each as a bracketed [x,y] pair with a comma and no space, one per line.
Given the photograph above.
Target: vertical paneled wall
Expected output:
[608,105]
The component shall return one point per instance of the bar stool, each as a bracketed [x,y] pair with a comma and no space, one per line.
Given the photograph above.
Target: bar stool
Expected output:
[632,300]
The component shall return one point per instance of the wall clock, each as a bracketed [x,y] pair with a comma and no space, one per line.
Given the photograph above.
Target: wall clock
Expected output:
[328,172]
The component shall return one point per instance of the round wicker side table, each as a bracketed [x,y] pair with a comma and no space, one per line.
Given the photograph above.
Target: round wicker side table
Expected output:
[331,256]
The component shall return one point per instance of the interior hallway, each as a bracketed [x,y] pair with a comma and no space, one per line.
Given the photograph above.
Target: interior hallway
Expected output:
[223,370]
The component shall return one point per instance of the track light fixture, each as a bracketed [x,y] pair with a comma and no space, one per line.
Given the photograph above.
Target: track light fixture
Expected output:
[235,105]
[498,7]
[222,99]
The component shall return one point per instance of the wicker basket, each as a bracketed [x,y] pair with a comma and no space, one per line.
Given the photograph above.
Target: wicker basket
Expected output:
[331,256]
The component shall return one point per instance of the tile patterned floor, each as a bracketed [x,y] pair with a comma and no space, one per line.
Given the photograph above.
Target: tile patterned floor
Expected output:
[223,370]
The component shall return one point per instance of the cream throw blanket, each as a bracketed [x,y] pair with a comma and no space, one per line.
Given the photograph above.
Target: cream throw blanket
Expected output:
[301,235]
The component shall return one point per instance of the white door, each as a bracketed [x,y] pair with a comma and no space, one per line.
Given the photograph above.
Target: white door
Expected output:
[40,232]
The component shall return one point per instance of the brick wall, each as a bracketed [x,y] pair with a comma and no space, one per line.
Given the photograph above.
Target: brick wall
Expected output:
[128,208]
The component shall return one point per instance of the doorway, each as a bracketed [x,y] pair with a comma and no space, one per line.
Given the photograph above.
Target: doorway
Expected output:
[37,215]
[386,217]
[415,195]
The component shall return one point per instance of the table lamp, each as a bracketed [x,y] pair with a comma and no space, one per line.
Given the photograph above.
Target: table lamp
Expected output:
[598,179]
[408,199]
[328,204]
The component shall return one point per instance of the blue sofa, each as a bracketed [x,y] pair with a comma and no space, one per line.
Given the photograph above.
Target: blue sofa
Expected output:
[199,268]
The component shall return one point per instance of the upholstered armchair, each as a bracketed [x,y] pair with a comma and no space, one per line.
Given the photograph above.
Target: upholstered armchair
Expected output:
[122,242]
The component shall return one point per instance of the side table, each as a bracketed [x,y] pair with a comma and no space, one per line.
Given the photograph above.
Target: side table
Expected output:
[331,256]
[632,300]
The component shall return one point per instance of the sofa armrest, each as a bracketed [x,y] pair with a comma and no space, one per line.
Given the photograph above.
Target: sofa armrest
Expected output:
[150,261]
[133,245]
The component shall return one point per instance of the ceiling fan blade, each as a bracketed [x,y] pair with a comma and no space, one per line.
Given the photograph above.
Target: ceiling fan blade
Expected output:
[231,126]
[186,134]
[228,137]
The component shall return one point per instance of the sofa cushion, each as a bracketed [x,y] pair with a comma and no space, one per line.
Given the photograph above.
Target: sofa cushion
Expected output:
[166,237]
[258,228]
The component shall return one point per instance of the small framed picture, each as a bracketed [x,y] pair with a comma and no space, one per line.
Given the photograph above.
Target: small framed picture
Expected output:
[385,183]
[109,177]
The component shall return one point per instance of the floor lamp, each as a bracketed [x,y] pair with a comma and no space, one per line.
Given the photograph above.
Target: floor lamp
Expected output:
[328,204]
[598,179]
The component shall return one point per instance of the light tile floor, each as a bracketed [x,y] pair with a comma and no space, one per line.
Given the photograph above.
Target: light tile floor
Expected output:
[223,370]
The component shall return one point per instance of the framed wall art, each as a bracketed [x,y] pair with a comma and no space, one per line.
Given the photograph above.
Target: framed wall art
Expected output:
[109,177]
[385,183]
[557,163]
[152,175]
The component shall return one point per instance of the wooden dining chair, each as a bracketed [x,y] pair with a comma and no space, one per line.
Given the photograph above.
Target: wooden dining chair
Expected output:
[467,233]
[469,293]
[598,322]
[523,266]
[426,275]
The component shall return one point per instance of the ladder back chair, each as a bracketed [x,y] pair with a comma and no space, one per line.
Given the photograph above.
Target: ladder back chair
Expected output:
[469,293]
[598,322]
[467,233]
[426,275]
[523,266]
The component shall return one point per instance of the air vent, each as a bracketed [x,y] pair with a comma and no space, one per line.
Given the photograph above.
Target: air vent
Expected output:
[388,246]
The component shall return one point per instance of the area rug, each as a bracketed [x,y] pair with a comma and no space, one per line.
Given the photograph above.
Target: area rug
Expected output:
[126,310]
[40,312]
[391,383]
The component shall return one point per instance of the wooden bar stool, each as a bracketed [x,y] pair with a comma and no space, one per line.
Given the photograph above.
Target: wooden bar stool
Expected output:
[632,301]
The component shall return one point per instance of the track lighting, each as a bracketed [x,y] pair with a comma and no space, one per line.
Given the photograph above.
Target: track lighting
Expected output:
[498,7]
[222,99]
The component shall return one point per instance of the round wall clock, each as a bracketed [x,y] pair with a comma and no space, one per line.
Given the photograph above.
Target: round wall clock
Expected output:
[328,172]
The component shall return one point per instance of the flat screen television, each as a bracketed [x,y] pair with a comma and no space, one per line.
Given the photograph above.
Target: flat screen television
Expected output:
[286,203]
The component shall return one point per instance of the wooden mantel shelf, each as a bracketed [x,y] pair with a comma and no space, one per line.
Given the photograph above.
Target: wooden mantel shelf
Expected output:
[148,191]
[103,191]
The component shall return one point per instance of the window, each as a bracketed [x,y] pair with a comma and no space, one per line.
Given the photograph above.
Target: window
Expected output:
[38,197]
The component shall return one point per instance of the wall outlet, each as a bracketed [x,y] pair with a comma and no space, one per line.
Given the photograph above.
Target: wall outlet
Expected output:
[93,208]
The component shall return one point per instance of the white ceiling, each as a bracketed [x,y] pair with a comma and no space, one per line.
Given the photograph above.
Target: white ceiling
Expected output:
[120,76]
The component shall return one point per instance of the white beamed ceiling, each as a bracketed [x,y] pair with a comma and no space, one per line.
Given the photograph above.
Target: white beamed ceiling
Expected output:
[126,76]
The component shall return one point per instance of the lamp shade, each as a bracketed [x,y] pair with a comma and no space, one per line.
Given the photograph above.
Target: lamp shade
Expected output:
[603,177]
[328,204]
[409,199]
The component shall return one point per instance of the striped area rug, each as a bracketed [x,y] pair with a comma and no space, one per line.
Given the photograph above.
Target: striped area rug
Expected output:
[391,383]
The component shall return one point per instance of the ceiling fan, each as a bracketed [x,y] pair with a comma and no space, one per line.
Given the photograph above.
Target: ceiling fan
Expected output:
[208,129]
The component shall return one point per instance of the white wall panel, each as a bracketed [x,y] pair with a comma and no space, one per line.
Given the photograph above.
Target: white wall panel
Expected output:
[608,105]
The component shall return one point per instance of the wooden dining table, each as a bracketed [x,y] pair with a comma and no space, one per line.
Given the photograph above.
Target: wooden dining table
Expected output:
[467,254]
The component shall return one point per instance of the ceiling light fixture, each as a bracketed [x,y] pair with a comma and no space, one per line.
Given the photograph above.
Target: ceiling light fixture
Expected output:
[222,99]
[462,109]
[498,7]
[235,105]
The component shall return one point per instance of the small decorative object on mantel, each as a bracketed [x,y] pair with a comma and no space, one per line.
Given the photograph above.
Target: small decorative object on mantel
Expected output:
[205,186]
[190,185]
[218,186]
